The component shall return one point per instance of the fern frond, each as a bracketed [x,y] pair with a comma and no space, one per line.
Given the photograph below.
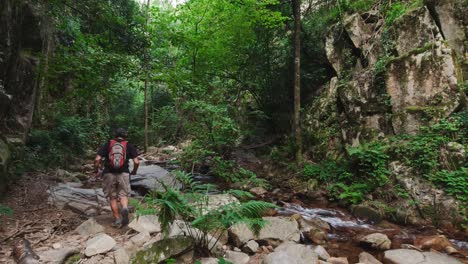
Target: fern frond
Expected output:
[241,195]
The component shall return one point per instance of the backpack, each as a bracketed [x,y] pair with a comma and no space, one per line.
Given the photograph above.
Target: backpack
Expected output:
[117,154]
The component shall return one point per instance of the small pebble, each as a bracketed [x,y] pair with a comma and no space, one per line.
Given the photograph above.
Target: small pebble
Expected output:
[57,245]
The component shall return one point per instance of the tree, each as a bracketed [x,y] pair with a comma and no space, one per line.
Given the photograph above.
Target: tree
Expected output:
[297,80]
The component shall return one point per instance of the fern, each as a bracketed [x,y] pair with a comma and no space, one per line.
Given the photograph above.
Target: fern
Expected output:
[192,208]
[5,210]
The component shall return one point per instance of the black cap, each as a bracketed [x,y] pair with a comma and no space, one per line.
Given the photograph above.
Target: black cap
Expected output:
[120,132]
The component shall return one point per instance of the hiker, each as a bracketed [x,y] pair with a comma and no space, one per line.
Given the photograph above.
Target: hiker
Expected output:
[116,174]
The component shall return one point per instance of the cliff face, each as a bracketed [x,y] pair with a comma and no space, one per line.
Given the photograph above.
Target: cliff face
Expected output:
[25,39]
[391,78]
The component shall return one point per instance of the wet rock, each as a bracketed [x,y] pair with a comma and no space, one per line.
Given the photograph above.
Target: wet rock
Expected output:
[151,178]
[340,260]
[121,256]
[146,223]
[303,252]
[439,243]
[237,257]
[408,256]
[366,258]
[277,228]
[250,247]
[377,241]
[99,244]
[57,256]
[321,252]
[367,214]
[259,191]
[316,235]
[89,227]
[164,249]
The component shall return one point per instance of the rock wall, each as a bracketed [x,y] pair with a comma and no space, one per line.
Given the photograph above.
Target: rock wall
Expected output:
[25,38]
[391,78]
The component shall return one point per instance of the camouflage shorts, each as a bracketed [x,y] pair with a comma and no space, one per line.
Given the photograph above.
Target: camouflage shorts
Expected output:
[116,185]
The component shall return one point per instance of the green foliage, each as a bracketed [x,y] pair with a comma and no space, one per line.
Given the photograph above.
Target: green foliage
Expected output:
[201,220]
[233,173]
[369,162]
[454,182]
[5,210]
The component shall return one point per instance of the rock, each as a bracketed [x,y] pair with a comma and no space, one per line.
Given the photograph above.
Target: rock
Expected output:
[439,243]
[452,17]
[215,201]
[340,260]
[453,156]
[63,193]
[414,30]
[209,261]
[313,229]
[151,178]
[57,256]
[321,252]
[186,258]
[259,191]
[237,257]
[146,223]
[164,249]
[367,258]
[140,239]
[367,214]
[377,241]
[281,257]
[303,252]
[89,227]
[277,228]
[121,256]
[99,244]
[181,228]
[408,256]
[99,259]
[250,247]
[56,245]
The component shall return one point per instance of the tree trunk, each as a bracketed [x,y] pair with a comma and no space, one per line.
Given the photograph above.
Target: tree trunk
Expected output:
[297,80]
[146,62]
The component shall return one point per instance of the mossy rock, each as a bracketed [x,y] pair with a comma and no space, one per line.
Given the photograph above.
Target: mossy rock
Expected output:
[164,249]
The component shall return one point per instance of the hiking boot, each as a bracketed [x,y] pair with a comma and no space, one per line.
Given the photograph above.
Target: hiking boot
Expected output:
[117,223]
[124,213]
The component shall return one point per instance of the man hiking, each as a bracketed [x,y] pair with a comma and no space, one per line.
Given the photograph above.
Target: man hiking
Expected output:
[116,180]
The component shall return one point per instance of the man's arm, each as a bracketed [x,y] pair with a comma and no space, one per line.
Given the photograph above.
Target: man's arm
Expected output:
[97,161]
[136,164]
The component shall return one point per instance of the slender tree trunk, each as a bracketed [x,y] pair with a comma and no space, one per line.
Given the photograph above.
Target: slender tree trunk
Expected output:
[297,80]
[146,67]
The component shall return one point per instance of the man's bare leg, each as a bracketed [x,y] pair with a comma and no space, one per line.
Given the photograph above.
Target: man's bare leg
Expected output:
[124,210]
[114,204]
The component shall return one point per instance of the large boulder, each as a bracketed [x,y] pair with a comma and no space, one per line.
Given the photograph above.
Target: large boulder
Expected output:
[408,256]
[276,228]
[164,249]
[152,177]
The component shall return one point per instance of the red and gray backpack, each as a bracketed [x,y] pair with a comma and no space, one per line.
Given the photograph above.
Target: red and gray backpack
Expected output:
[117,154]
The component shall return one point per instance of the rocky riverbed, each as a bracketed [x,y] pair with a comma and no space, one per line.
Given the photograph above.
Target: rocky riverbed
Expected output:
[67,220]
